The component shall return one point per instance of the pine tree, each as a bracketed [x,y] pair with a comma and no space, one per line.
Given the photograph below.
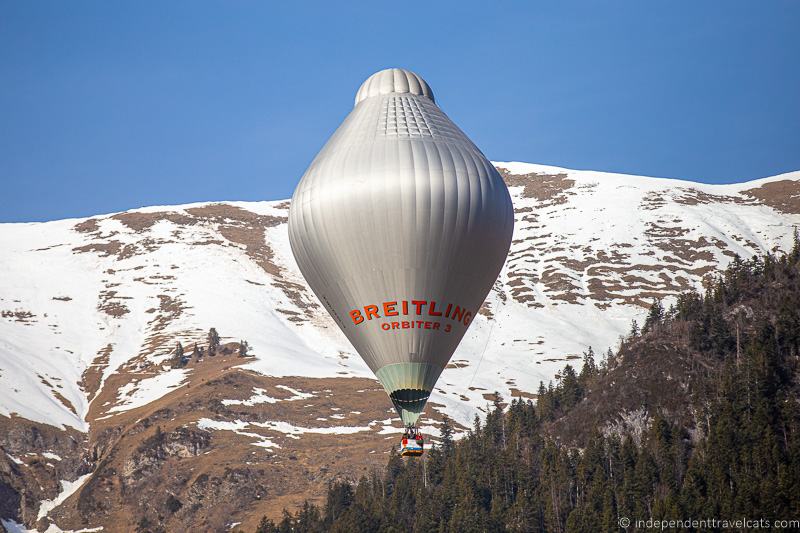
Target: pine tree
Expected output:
[266,526]
[213,342]
[178,360]
[571,392]
[654,317]
[610,360]
[243,348]
[340,496]
[589,369]
[446,435]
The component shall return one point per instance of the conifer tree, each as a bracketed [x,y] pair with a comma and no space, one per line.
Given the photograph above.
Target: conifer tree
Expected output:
[213,342]
[610,358]
[654,317]
[570,389]
[178,360]
[446,435]
[634,329]
[243,348]
[589,369]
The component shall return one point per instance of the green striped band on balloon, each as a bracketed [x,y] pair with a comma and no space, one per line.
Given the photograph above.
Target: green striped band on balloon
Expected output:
[409,385]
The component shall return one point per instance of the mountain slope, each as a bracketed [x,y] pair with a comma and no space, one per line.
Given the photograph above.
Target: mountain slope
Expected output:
[693,424]
[92,309]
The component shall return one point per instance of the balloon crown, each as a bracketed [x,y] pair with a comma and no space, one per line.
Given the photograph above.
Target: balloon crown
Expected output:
[394,80]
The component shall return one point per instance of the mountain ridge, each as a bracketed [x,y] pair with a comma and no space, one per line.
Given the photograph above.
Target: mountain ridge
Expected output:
[92,309]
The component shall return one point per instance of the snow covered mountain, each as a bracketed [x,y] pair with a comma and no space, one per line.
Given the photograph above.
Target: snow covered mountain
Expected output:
[93,308]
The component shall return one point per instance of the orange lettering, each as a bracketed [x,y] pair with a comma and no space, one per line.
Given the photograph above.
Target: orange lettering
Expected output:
[385,326]
[355,314]
[389,309]
[419,304]
[371,311]
[447,311]
[436,325]
[405,307]
[432,310]
[458,314]
[467,318]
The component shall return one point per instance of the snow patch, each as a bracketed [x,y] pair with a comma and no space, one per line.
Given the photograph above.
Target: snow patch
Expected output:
[237,427]
[297,395]
[67,489]
[292,430]
[15,460]
[138,393]
[259,396]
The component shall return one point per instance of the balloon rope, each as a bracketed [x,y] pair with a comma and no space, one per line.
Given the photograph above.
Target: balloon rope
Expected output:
[485,346]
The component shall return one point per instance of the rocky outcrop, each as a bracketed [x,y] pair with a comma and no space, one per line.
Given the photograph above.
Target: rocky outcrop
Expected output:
[34,458]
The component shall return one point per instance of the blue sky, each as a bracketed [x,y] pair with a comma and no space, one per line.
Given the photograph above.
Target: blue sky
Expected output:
[106,106]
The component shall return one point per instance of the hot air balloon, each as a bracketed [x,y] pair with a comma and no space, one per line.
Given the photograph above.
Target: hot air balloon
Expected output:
[400,226]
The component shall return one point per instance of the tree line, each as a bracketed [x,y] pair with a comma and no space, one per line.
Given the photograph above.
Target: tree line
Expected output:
[739,455]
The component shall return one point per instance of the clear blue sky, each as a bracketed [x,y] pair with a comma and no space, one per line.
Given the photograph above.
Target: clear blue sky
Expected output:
[106,106]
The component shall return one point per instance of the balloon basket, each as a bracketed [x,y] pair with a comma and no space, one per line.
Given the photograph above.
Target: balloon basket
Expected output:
[412,444]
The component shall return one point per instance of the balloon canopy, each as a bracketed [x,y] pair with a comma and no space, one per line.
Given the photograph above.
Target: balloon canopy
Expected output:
[400,226]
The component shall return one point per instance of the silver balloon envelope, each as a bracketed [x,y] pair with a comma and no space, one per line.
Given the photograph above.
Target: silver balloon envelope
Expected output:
[400,226]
